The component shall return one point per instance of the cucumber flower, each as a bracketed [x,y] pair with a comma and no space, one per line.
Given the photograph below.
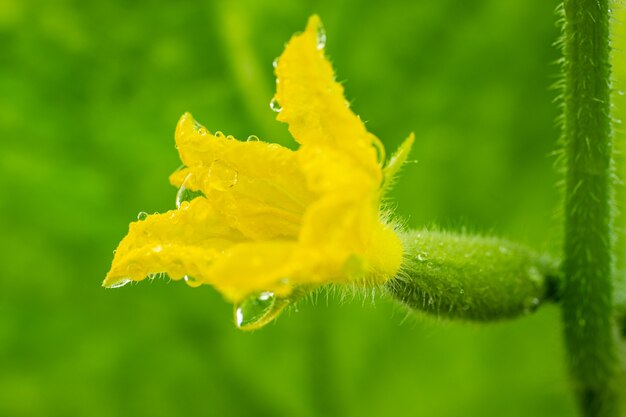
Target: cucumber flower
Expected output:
[261,222]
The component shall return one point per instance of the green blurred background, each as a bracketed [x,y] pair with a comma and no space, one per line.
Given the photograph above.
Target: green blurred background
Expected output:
[90,93]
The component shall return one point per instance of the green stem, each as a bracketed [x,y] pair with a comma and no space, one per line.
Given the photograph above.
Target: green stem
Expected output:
[587,262]
[235,29]
[472,277]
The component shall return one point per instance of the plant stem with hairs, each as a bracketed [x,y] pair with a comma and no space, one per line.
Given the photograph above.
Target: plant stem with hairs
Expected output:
[587,295]
[481,279]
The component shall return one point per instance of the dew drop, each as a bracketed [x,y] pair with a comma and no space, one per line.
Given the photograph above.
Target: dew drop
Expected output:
[258,310]
[201,130]
[275,106]
[219,135]
[275,62]
[120,283]
[142,216]
[191,281]
[222,176]
[185,194]
[320,37]
[252,138]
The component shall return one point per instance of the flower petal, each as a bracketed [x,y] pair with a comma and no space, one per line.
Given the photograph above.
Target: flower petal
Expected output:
[178,242]
[253,267]
[314,106]
[257,187]
[198,147]
[328,170]
[341,228]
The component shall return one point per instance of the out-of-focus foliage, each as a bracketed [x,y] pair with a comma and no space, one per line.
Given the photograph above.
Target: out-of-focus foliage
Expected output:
[90,93]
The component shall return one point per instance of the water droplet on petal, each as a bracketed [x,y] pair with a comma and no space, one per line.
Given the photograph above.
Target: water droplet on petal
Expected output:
[185,194]
[199,128]
[219,135]
[191,281]
[252,138]
[119,283]
[275,62]
[142,216]
[258,310]
[321,36]
[222,176]
[275,106]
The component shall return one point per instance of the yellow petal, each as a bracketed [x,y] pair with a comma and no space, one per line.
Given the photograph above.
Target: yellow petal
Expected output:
[178,242]
[258,187]
[314,106]
[344,227]
[328,170]
[197,146]
[253,267]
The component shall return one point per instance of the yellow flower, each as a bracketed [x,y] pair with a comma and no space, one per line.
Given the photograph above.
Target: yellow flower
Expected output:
[264,220]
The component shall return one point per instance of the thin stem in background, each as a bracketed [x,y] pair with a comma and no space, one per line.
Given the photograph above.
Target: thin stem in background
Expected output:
[234,29]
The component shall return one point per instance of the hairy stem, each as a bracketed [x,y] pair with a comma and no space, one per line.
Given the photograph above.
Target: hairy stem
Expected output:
[587,261]
[472,277]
